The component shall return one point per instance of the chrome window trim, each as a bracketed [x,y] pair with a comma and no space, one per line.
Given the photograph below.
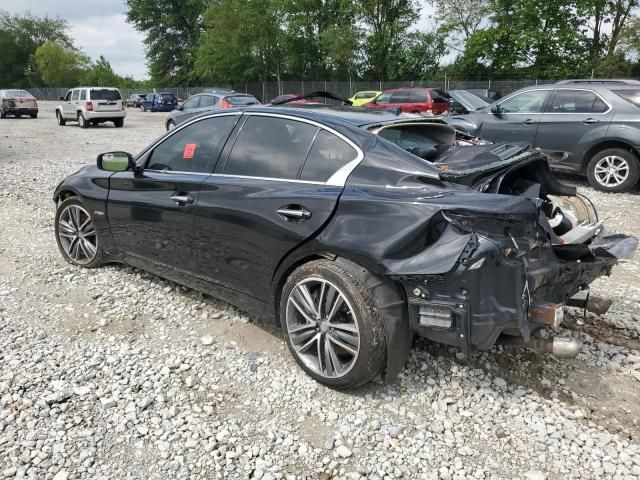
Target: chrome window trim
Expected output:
[338,179]
[555,90]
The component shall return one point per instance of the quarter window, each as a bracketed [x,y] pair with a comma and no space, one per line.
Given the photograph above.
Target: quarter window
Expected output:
[194,148]
[401,96]
[270,147]
[83,94]
[577,101]
[527,102]
[419,96]
[327,155]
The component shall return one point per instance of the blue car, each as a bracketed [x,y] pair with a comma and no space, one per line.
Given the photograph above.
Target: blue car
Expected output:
[159,102]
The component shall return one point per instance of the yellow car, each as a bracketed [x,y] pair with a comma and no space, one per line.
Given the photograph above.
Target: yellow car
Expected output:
[360,98]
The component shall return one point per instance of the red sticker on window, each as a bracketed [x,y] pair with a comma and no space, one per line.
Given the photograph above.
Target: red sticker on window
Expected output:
[189,151]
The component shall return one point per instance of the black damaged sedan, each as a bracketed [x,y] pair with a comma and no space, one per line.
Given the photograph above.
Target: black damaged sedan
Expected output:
[354,230]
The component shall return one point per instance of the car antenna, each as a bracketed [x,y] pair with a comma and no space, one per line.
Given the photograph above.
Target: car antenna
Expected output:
[318,94]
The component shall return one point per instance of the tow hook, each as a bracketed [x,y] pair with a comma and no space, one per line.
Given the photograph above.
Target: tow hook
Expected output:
[562,347]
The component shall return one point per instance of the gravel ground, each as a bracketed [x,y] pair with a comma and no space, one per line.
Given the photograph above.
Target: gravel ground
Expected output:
[117,374]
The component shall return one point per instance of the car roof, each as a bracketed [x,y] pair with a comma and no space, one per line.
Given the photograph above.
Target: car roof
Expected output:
[410,88]
[600,81]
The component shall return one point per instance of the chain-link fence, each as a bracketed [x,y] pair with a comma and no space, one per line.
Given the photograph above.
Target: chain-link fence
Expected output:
[266,91]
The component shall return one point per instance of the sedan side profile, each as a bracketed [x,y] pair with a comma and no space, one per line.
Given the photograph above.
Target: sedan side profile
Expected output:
[587,128]
[332,222]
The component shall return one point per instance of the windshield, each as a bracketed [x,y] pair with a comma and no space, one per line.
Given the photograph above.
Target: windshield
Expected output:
[469,99]
[242,100]
[631,96]
[105,94]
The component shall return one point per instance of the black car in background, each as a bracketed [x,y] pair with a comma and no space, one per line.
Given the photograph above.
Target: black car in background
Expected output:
[212,99]
[588,128]
[354,229]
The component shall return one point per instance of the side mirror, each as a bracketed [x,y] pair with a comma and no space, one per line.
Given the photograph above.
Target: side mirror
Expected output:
[61,98]
[180,107]
[115,161]
[495,109]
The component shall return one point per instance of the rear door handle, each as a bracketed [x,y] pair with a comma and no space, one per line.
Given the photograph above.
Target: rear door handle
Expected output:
[182,198]
[294,212]
[590,121]
[529,121]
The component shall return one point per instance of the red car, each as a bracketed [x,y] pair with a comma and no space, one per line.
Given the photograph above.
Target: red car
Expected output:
[287,96]
[413,100]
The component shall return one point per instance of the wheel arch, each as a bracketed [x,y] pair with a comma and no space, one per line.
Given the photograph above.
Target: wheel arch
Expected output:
[604,145]
[388,294]
[63,194]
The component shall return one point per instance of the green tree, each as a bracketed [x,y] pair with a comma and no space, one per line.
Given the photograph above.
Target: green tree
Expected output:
[386,22]
[420,56]
[60,65]
[101,74]
[20,36]
[231,51]
[172,30]
[460,19]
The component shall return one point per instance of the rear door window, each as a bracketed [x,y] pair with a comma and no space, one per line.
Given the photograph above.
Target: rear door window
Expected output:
[328,154]
[419,96]
[194,148]
[401,97]
[631,96]
[208,101]
[270,147]
[75,95]
[577,101]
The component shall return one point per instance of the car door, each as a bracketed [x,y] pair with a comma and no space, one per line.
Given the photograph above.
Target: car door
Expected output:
[573,120]
[274,190]
[517,118]
[150,212]
[69,105]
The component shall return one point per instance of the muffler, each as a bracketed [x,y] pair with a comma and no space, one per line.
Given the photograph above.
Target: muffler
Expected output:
[591,303]
[561,347]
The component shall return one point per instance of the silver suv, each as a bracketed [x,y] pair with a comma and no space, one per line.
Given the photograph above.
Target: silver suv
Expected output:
[91,106]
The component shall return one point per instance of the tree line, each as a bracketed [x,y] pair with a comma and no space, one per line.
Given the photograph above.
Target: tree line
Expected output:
[209,42]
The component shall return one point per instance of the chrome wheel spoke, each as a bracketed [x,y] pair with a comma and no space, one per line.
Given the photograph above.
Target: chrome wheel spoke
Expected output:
[328,348]
[343,345]
[77,234]
[66,226]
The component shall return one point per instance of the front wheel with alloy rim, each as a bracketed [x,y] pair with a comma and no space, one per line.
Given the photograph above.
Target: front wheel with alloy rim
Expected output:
[76,234]
[613,170]
[61,120]
[332,325]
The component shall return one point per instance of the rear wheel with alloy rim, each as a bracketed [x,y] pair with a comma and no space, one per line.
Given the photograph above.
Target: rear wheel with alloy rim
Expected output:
[613,170]
[171,125]
[76,234]
[82,122]
[332,325]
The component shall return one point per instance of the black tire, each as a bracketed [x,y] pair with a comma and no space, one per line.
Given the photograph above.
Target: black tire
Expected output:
[144,109]
[97,260]
[171,125]
[82,122]
[3,114]
[18,115]
[371,355]
[624,159]
[34,115]
[118,122]
[61,121]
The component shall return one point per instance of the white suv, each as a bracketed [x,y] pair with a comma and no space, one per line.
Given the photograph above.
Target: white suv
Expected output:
[91,106]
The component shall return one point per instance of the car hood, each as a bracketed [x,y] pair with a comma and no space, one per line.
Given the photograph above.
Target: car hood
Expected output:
[459,97]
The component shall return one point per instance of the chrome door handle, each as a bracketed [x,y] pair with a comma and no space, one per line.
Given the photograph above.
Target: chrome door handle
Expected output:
[291,212]
[590,121]
[182,199]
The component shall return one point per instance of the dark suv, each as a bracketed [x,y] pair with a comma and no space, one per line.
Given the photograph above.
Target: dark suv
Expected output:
[413,100]
[159,102]
[592,129]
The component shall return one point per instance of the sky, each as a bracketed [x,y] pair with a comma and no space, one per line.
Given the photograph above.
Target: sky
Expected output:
[98,27]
